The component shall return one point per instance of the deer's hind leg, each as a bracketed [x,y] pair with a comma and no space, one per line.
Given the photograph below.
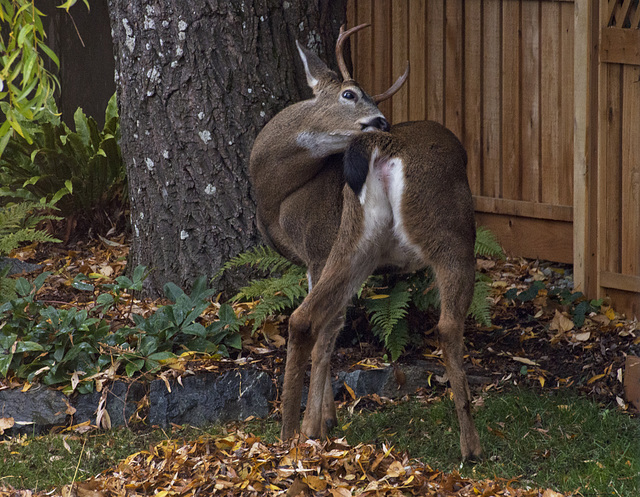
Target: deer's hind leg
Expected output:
[455,282]
[321,316]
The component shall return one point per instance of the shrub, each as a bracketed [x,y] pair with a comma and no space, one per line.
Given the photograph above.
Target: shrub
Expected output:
[85,163]
[70,347]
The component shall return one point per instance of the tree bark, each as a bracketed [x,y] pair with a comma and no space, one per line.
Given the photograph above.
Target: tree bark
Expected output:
[196,81]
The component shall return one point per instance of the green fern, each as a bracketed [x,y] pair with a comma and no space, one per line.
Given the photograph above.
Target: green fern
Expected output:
[260,257]
[387,317]
[486,244]
[18,225]
[480,308]
[280,292]
[285,287]
[275,295]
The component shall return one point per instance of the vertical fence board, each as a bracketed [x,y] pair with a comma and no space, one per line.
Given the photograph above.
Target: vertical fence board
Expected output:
[418,56]
[630,263]
[491,59]
[550,102]
[454,65]
[363,55]
[565,178]
[435,60]
[609,236]
[399,58]
[381,30]
[530,117]
[472,136]
[511,170]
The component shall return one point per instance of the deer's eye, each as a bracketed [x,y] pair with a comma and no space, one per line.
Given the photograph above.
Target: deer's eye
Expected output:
[349,95]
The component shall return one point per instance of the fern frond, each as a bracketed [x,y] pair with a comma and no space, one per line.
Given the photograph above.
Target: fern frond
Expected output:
[260,257]
[7,286]
[18,224]
[486,244]
[274,295]
[387,318]
[398,340]
[271,305]
[480,308]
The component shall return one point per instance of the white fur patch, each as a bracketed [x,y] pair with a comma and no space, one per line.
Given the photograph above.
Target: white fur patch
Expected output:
[396,191]
[322,145]
[384,232]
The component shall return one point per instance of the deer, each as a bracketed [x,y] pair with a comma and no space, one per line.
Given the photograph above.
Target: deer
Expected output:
[341,191]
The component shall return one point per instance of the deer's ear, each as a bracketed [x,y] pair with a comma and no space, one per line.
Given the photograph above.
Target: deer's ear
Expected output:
[316,70]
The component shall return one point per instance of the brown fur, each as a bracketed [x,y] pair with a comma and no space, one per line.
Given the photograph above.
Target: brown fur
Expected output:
[308,214]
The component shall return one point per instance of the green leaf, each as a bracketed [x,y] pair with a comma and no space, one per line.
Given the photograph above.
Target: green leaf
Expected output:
[40,279]
[5,362]
[112,109]
[50,53]
[162,356]
[26,30]
[23,287]
[28,346]
[134,366]
[195,329]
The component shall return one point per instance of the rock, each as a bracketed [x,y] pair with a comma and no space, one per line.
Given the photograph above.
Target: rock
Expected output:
[206,398]
[16,266]
[35,410]
[122,399]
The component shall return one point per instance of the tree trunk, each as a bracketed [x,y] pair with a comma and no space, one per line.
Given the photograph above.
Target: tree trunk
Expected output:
[196,81]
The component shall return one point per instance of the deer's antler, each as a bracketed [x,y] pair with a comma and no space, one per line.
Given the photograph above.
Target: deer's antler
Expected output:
[394,88]
[344,35]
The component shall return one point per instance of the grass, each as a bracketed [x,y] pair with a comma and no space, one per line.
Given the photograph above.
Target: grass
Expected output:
[559,440]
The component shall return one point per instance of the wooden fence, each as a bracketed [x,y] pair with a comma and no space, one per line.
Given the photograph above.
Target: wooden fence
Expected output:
[502,75]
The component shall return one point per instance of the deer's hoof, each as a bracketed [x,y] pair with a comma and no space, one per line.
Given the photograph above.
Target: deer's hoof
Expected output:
[473,456]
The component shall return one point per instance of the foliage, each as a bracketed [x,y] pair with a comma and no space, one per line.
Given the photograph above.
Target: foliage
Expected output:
[386,305]
[575,302]
[281,292]
[487,244]
[25,83]
[387,315]
[52,345]
[85,163]
[19,224]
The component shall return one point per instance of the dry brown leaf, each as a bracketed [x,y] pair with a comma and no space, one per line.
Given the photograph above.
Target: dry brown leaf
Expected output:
[560,322]
[6,423]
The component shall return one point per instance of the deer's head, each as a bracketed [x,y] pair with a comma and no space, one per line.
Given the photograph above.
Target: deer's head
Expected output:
[340,109]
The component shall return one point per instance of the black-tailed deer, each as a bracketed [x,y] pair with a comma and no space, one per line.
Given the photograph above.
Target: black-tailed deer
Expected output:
[341,192]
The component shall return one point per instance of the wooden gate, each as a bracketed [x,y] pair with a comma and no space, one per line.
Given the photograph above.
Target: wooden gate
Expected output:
[617,213]
[545,96]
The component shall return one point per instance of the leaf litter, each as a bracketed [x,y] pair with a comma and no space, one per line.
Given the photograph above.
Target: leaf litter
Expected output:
[240,464]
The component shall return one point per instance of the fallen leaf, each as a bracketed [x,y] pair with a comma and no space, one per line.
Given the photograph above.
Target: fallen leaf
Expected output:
[5,424]
[524,360]
[583,337]
[350,390]
[560,322]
